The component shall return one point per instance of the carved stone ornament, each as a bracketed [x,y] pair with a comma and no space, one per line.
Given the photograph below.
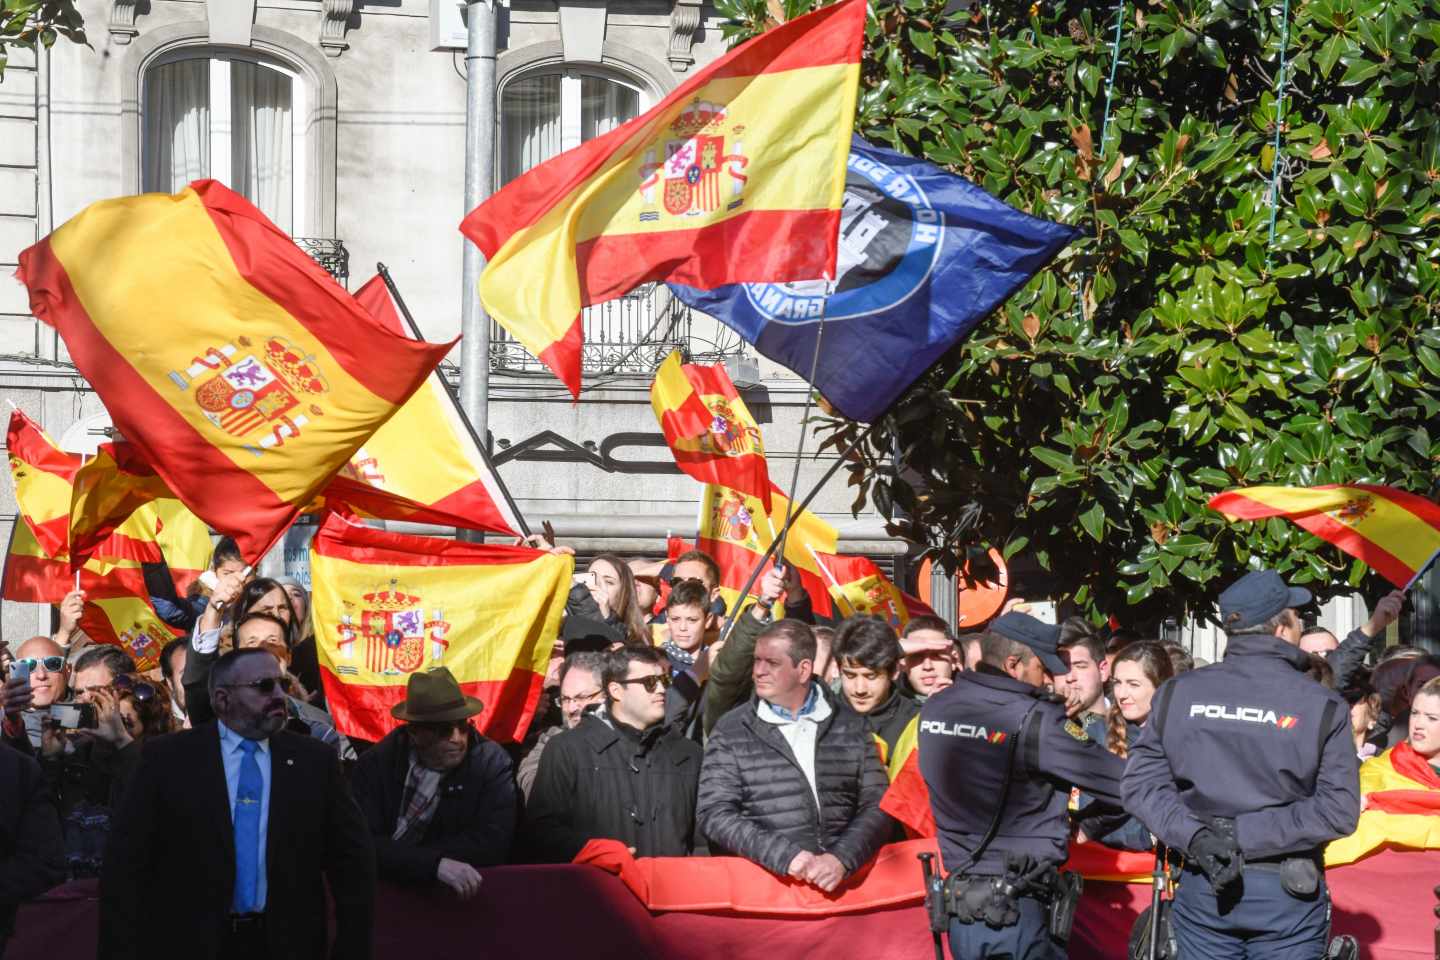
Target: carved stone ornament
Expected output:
[334,21]
[122,21]
[684,21]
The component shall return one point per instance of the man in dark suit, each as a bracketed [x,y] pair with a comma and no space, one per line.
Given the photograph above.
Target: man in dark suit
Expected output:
[238,821]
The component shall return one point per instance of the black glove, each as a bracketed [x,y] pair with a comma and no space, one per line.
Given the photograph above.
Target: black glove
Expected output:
[1218,855]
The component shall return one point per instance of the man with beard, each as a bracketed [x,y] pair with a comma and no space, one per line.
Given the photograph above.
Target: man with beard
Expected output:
[258,819]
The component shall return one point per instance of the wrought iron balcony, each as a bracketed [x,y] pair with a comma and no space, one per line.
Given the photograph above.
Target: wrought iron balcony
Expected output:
[632,334]
[330,254]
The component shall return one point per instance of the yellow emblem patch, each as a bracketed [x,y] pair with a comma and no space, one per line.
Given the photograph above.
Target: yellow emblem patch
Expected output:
[1077,731]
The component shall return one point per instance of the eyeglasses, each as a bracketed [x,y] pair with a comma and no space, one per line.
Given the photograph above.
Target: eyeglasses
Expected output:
[51,664]
[580,699]
[139,689]
[655,681]
[264,684]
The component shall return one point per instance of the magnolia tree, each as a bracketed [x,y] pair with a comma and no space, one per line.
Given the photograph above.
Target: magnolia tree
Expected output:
[24,23]
[1256,300]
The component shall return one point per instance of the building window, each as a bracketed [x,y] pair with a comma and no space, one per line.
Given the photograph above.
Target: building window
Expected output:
[546,113]
[208,113]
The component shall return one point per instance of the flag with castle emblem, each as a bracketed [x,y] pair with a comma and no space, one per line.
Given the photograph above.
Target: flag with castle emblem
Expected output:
[709,429]
[737,176]
[1396,533]
[388,604]
[237,367]
[735,530]
[861,588]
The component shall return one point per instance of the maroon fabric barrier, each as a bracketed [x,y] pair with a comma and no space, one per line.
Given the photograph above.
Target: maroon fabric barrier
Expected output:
[1383,901]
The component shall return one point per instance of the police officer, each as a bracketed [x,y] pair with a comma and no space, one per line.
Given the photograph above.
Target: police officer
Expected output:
[1249,767]
[999,757]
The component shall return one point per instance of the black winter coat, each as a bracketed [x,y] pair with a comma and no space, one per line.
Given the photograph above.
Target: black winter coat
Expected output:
[596,782]
[755,801]
[474,820]
[32,858]
[888,720]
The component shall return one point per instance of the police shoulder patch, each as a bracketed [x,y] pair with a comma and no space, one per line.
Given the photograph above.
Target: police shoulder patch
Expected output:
[1076,731]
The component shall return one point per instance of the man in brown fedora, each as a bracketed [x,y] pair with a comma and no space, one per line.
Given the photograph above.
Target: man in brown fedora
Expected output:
[439,798]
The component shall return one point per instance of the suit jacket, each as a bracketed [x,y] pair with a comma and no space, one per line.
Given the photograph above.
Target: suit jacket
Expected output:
[175,822]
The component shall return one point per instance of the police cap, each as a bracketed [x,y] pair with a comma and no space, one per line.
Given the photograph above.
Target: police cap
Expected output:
[1043,638]
[1256,597]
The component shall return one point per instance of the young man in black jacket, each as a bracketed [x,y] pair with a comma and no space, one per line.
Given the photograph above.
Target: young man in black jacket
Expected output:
[869,657]
[439,798]
[621,774]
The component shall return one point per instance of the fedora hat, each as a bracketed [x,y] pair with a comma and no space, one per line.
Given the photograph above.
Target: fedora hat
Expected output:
[435,697]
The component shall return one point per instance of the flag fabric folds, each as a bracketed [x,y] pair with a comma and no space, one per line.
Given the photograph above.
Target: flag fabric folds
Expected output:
[43,475]
[924,256]
[107,489]
[1394,532]
[710,431]
[861,588]
[735,176]
[387,604]
[32,576]
[1399,807]
[237,367]
[424,464]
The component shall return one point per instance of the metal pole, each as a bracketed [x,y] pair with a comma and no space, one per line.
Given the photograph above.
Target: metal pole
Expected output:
[480,21]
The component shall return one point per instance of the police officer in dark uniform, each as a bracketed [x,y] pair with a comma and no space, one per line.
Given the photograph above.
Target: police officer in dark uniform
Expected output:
[1249,767]
[999,757]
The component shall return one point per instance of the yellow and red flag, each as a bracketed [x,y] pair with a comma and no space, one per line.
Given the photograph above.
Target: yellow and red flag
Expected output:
[237,367]
[424,464]
[735,531]
[43,475]
[389,604]
[1399,807]
[709,429]
[1396,533]
[108,488]
[737,176]
[861,588]
[131,624]
[31,576]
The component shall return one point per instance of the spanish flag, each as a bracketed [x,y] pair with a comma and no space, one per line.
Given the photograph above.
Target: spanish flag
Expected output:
[735,531]
[861,588]
[108,488]
[426,455]
[1399,807]
[709,429]
[31,576]
[237,367]
[1394,532]
[737,176]
[131,624]
[388,604]
[43,475]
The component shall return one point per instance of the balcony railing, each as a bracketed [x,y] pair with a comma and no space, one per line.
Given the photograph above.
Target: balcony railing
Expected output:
[632,334]
[330,254]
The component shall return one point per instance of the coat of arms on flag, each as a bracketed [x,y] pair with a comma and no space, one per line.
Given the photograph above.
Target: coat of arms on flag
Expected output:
[694,161]
[397,635]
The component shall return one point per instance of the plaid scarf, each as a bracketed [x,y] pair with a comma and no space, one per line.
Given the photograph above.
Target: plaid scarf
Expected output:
[417,806]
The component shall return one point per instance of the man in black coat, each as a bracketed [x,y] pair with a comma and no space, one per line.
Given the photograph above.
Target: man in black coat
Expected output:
[32,857]
[790,781]
[620,774]
[439,798]
[241,824]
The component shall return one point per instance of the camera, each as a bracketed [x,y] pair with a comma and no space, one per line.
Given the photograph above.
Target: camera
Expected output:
[74,716]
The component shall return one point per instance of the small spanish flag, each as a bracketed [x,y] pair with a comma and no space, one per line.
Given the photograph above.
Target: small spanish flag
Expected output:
[711,432]
[426,455]
[861,588]
[33,577]
[1399,807]
[389,604]
[131,624]
[735,531]
[737,176]
[43,475]
[108,488]
[1396,533]
[237,367]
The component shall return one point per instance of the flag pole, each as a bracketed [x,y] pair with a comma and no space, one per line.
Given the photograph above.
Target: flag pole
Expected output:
[381,269]
[805,420]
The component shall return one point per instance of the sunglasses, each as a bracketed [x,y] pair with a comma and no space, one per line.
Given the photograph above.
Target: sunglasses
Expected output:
[656,681]
[264,684]
[51,664]
[139,689]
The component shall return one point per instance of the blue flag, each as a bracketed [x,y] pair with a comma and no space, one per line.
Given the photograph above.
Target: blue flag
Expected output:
[924,256]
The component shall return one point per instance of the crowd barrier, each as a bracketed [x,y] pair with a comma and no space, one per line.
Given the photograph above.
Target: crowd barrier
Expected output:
[727,909]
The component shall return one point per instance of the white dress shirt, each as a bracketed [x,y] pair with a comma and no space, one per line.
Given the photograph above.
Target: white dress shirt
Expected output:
[232,754]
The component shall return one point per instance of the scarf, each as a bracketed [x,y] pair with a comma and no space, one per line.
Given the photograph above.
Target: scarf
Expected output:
[679,659]
[418,802]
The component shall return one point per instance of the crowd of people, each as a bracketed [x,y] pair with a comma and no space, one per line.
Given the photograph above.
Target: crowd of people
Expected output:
[776,743]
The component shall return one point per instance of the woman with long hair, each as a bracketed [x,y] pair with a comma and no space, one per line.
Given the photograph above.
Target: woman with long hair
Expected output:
[606,592]
[1137,672]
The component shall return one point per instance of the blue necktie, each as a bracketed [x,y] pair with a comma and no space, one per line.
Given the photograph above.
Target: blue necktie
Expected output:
[247,830]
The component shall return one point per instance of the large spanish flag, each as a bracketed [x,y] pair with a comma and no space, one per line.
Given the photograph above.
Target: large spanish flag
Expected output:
[32,576]
[388,604]
[240,370]
[861,588]
[1399,807]
[737,176]
[1394,532]
[711,432]
[426,455]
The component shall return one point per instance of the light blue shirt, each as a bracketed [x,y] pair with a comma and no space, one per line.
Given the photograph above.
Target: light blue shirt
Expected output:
[231,754]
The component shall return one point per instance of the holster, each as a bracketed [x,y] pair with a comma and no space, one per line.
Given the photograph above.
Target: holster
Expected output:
[1343,948]
[981,900]
[1067,888]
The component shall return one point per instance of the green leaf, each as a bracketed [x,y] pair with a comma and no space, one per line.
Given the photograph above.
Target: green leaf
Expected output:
[1093,522]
